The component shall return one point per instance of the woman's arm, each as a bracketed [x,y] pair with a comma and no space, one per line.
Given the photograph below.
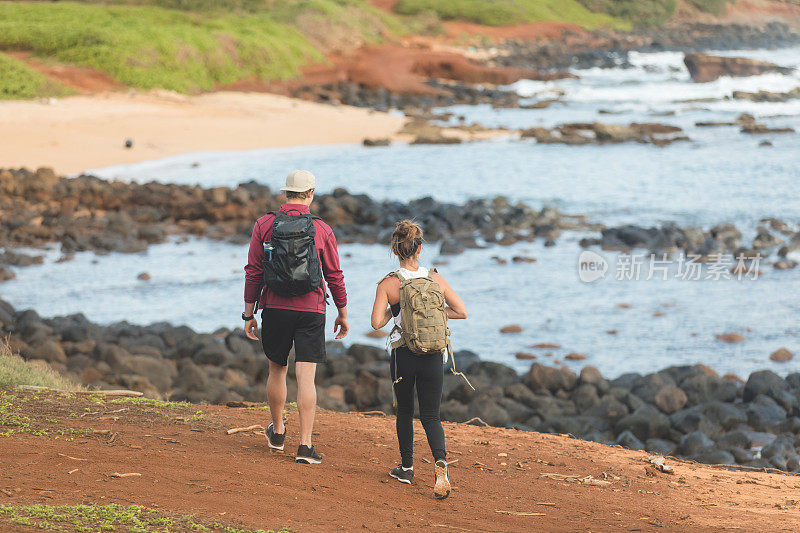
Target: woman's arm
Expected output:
[381,313]
[455,307]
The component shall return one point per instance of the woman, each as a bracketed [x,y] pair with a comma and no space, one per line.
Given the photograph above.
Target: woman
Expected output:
[410,369]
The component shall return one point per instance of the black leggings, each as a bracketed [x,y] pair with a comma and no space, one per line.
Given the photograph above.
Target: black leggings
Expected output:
[426,372]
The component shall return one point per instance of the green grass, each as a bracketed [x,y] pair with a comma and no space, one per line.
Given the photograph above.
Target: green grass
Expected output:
[152,47]
[14,420]
[191,45]
[715,7]
[18,80]
[14,371]
[113,517]
[506,12]
[638,12]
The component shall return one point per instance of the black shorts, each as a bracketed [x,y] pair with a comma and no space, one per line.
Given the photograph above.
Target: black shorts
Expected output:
[282,327]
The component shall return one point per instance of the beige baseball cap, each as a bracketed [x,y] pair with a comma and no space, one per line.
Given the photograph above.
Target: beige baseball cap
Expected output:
[300,181]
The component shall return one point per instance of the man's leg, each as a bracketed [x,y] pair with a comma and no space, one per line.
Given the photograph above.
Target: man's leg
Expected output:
[276,394]
[277,326]
[306,399]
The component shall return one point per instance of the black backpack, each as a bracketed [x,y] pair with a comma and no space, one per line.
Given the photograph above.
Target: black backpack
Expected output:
[291,261]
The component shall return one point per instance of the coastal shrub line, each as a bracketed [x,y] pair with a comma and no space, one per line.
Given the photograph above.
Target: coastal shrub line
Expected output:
[619,14]
[508,12]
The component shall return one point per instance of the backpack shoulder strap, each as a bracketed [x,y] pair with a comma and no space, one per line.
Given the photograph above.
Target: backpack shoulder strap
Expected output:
[393,274]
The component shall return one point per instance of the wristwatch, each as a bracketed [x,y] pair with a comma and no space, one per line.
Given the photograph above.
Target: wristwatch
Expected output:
[246,318]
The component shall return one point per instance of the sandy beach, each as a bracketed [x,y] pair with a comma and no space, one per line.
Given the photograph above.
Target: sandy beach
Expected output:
[81,132]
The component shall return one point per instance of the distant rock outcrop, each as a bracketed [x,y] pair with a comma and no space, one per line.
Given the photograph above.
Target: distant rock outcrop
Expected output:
[704,68]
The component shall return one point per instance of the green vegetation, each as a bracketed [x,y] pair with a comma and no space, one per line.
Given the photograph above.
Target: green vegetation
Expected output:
[651,12]
[11,420]
[14,420]
[506,12]
[143,402]
[151,47]
[638,12]
[14,370]
[620,14]
[715,7]
[18,80]
[188,45]
[150,405]
[113,517]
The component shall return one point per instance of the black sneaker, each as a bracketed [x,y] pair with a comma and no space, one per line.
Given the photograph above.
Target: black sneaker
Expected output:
[308,455]
[275,440]
[402,475]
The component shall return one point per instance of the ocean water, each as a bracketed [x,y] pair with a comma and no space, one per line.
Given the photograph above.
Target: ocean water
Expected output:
[658,323]
[721,175]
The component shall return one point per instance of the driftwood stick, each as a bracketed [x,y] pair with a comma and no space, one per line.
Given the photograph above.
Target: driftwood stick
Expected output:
[73,458]
[120,392]
[517,513]
[128,474]
[248,428]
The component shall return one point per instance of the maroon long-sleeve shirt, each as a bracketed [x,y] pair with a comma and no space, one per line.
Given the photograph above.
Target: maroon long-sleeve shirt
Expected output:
[314,301]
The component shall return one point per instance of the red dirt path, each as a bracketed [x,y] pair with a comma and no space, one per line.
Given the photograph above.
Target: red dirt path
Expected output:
[194,467]
[403,69]
[82,79]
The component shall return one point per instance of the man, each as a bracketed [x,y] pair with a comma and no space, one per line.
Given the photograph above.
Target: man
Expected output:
[293,300]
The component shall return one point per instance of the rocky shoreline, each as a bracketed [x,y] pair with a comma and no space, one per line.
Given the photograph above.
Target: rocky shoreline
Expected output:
[686,411]
[542,60]
[606,49]
[772,235]
[88,213]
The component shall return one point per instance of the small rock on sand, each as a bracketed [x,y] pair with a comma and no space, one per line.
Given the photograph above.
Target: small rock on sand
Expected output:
[734,378]
[376,142]
[511,329]
[547,345]
[781,355]
[729,337]
[144,276]
[525,355]
[784,264]
[575,356]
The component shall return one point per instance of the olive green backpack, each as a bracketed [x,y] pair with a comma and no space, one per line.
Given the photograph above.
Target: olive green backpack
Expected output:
[423,318]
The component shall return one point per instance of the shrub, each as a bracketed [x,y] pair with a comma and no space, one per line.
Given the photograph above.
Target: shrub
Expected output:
[506,12]
[14,370]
